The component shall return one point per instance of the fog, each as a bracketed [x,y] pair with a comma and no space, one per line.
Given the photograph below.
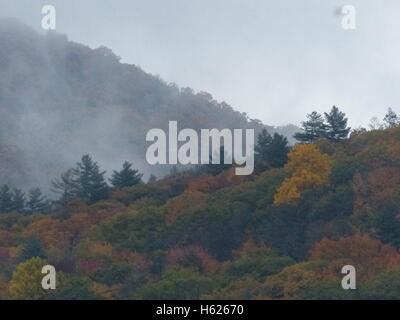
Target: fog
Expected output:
[273,60]
[262,57]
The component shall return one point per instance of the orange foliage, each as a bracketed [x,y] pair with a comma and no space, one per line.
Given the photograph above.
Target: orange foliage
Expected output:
[367,255]
[210,184]
[135,258]
[51,233]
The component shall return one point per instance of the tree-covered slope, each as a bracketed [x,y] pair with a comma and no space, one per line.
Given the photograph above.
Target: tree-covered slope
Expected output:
[281,233]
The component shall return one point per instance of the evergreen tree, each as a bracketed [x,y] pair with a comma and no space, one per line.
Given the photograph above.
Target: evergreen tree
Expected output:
[336,125]
[66,186]
[18,200]
[278,151]
[33,248]
[36,202]
[6,199]
[313,128]
[391,119]
[127,177]
[261,151]
[270,151]
[91,182]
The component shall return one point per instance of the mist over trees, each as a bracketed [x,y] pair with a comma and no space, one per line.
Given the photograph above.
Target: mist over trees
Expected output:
[60,99]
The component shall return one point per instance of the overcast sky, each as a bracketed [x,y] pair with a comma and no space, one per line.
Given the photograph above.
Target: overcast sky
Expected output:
[274,60]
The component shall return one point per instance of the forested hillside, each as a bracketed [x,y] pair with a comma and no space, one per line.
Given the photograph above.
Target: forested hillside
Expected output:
[60,99]
[284,232]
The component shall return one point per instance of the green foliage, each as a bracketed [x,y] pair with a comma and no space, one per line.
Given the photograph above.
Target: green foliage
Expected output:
[336,125]
[385,286]
[127,177]
[32,248]
[37,201]
[6,201]
[177,284]
[75,288]
[91,181]
[312,129]
[387,224]
[270,151]
[391,119]
[333,127]
[258,268]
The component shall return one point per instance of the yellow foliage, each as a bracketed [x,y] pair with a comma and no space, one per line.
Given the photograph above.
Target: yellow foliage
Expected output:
[310,169]
[27,279]
[101,290]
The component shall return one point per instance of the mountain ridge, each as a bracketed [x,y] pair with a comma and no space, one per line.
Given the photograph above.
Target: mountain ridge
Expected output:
[60,99]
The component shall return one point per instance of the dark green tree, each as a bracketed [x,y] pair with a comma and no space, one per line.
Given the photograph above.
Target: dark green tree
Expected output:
[262,149]
[278,151]
[336,125]
[127,177]
[32,248]
[6,199]
[92,185]
[313,128]
[37,201]
[18,200]
[270,151]
[391,119]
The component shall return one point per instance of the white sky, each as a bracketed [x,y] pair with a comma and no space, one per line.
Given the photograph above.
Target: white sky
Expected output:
[275,60]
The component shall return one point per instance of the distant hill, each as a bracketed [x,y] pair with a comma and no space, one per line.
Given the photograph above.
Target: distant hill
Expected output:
[60,99]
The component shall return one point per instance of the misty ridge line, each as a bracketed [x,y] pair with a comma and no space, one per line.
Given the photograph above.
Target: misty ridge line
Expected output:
[60,100]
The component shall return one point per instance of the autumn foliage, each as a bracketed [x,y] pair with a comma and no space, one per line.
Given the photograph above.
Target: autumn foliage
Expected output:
[308,167]
[282,233]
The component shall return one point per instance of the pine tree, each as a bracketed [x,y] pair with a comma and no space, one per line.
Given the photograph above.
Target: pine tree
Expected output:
[91,182]
[278,151]
[261,151]
[36,202]
[18,200]
[6,199]
[336,125]
[66,186]
[270,152]
[313,128]
[127,177]
[391,119]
